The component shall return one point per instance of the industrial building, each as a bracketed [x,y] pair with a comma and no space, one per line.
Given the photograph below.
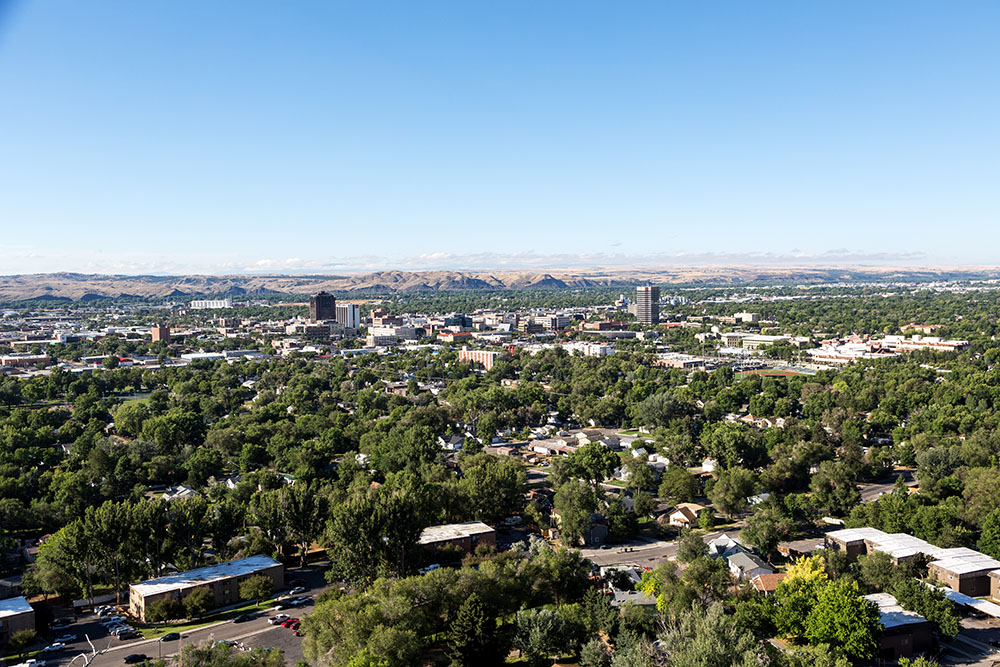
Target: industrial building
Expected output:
[222,579]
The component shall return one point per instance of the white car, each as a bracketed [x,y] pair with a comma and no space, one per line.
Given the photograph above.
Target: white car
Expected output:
[274,620]
[66,638]
[55,646]
[297,591]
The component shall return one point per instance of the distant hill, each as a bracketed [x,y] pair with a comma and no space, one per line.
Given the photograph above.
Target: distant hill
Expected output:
[94,287]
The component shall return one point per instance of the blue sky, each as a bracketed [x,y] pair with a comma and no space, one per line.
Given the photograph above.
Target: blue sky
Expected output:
[299,136]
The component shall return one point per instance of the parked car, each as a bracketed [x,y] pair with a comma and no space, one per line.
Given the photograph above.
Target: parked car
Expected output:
[60,623]
[54,646]
[297,590]
[122,628]
[300,601]
[133,658]
[287,623]
[242,618]
[130,634]
[66,638]
[275,620]
[170,637]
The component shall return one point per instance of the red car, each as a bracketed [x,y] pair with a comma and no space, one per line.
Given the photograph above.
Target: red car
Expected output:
[288,623]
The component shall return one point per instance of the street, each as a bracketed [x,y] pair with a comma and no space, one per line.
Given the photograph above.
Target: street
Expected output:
[643,553]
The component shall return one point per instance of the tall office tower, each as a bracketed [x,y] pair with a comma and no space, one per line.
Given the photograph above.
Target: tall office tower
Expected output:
[322,306]
[349,315]
[161,332]
[647,304]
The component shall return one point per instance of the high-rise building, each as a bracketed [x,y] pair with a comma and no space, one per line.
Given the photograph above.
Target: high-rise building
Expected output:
[322,306]
[647,304]
[161,332]
[349,315]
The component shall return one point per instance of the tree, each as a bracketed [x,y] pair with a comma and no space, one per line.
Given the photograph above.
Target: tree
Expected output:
[678,485]
[473,636]
[258,587]
[574,503]
[710,638]
[539,635]
[20,641]
[594,462]
[640,474]
[691,547]
[876,571]
[844,619]
[166,609]
[834,489]
[730,492]
[494,487]
[595,653]
[221,654]
[767,526]
[199,601]
[660,409]
[989,540]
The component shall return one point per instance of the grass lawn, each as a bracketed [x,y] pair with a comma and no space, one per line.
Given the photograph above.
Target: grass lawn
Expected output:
[152,631]
[13,659]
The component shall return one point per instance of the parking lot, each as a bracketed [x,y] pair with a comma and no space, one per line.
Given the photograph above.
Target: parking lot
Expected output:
[255,632]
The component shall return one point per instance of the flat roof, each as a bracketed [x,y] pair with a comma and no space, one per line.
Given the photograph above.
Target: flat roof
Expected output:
[14,606]
[204,575]
[891,615]
[453,531]
[967,564]
[857,534]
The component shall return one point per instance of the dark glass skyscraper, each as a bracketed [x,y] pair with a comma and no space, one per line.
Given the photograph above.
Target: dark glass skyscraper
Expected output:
[322,306]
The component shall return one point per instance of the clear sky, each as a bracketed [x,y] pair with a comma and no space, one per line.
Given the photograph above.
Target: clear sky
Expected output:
[214,136]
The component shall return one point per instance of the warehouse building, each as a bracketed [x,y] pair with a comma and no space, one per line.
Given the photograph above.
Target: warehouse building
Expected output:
[223,580]
[16,615]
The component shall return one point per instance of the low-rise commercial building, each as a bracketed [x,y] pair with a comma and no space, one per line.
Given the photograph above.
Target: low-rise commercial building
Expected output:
[222,580]
[466,536]
[16,615]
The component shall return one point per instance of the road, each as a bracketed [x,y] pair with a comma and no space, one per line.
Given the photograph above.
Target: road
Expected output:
[644,553]
[256,633]
[873,491]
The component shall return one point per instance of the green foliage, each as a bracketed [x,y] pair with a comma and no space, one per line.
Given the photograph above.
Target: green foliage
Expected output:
[223,655]
[678,485]
[930,603]
[167,609]
[540,634]
[730,492]
[199,601]
[691,547]
[21,640]
[257,587]
[989,540]
[843,619]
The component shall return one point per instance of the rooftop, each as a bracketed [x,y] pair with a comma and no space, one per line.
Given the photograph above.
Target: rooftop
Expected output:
[453,531]
[857,534]
[891,615]
[14,606]
[205,575]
